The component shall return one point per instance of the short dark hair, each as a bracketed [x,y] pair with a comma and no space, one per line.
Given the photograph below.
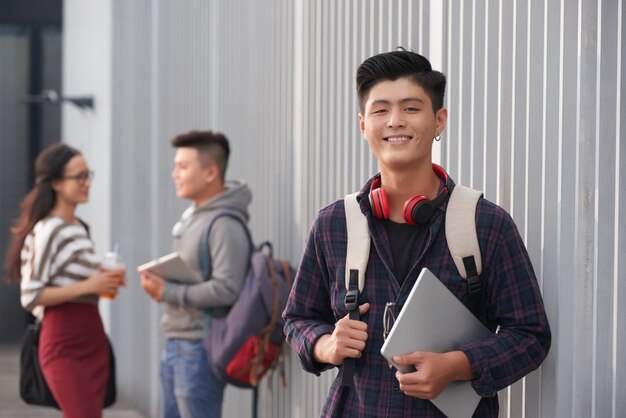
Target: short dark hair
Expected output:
[397,64]
[212,147]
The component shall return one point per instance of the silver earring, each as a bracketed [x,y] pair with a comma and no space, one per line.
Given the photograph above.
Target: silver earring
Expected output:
[438,137]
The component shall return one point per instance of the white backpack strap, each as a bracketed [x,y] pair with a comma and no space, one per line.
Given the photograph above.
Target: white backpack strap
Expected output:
[358,240]
[461,227]
[357,254]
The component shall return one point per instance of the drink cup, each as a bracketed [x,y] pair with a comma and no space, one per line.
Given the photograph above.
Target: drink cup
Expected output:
[113,262]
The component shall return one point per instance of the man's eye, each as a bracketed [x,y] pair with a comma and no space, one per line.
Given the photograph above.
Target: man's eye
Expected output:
[412,109]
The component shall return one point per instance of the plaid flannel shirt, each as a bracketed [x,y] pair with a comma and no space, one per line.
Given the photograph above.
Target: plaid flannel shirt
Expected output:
[510,300]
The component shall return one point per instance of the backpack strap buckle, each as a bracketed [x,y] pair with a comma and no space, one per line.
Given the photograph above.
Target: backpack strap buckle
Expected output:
[473,278]
[473,285]
[352,301]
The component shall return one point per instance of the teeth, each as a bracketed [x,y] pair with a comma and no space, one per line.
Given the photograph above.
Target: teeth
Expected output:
[398,139]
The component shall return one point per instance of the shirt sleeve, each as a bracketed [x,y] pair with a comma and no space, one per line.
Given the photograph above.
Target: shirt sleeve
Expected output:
[513,298]
[308,314]
[230,260]
[55,253]
[31,287]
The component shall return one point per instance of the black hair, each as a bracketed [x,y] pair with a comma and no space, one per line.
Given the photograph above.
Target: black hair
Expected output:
[397,64]
[212,147]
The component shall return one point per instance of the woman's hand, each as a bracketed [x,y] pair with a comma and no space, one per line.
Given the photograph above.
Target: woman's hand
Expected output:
[105,282]
[102,282]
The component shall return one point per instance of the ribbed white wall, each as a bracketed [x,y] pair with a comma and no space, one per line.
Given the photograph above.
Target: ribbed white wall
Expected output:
[535,121]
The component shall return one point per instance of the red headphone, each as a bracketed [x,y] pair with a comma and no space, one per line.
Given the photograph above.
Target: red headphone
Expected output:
[418,209]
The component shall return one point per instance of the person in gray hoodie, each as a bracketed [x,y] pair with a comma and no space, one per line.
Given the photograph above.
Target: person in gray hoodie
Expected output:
[189,388]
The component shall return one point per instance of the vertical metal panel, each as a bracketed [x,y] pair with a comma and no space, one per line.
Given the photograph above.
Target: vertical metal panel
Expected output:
[558,68]
[548,268]
[535,115]
[606,166]
[136,175]
[619,261]
[585,181]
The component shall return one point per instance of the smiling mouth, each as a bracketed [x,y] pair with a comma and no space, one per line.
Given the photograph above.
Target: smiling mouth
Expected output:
[398,139]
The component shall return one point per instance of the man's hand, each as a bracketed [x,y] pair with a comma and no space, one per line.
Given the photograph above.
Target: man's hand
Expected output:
[152,284]
[433,372]
[347,340]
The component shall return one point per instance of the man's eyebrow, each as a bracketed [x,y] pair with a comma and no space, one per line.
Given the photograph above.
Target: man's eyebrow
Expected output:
[412,99]
[405,100]
[380,101]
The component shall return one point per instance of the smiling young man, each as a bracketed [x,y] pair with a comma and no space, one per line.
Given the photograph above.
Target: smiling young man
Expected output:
[190,389]
[401,103]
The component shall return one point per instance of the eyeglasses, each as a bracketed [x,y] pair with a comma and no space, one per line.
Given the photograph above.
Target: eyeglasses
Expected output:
[388,319]
[81,178]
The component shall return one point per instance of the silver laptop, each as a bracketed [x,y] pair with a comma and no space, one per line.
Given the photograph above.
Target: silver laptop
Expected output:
[434,320]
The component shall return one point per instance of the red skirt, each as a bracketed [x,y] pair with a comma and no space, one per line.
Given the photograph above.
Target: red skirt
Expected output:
[74,358]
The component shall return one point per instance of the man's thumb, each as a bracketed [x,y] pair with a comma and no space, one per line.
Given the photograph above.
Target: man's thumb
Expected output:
[408,359]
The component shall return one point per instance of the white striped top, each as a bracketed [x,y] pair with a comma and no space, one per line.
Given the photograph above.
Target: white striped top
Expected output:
[55,253]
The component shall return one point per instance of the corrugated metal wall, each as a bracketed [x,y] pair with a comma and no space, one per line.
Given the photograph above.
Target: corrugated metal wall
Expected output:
[535,121]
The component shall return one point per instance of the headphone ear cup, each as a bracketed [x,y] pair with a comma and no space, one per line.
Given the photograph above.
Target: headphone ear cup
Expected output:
[378,201]
[417,210]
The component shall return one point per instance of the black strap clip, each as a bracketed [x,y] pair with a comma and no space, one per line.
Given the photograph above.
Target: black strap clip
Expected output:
[473,279]
[351,300]
[473,285]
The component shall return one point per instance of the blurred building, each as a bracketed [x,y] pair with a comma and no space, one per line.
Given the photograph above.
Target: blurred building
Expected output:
[30,61]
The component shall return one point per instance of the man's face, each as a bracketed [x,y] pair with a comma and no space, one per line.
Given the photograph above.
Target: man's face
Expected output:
[399,124]
[190,177]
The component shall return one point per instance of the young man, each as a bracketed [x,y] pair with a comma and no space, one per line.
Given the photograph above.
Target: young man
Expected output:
[401,104]
[189,388]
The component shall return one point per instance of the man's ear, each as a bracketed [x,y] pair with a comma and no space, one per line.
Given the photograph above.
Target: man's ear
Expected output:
[361,123]
[441,118]
[212,173]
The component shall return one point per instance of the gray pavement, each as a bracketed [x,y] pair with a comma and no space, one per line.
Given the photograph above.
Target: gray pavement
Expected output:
[12,406]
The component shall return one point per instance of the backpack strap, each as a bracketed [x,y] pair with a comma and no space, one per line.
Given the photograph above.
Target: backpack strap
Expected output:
[204,256]
[357,255]
[204,252]
[463,240]
[358,251]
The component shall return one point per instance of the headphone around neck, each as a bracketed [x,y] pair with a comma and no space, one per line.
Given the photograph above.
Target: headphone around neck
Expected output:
[418,209]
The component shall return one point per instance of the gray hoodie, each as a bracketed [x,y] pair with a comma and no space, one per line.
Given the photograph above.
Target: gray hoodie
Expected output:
[183,316]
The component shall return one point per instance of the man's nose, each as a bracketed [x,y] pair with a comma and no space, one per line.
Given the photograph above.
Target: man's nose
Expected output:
[396,119]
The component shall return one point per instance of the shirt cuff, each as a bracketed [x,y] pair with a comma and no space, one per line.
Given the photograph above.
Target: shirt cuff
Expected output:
[483,382]
[29,298]
[174,294]
[308,362]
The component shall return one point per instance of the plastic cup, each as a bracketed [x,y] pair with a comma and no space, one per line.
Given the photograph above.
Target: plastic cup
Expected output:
[113,262]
